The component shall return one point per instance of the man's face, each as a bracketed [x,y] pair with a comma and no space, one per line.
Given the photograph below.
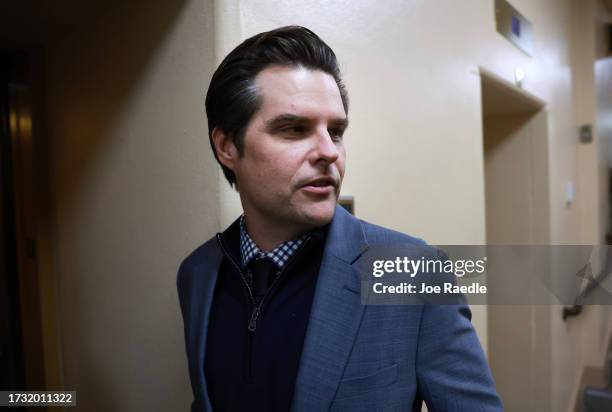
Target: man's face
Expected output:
[292,164]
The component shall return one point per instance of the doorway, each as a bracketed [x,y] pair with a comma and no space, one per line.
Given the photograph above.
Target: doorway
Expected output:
[11,348]
[515,140]
[23,191]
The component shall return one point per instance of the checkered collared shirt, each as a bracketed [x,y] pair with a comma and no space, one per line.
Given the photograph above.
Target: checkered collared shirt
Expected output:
[280,255]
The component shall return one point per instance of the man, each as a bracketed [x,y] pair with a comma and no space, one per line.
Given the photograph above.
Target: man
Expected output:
[272,311]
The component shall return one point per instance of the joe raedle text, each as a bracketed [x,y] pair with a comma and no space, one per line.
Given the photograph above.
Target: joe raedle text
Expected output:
[446,288]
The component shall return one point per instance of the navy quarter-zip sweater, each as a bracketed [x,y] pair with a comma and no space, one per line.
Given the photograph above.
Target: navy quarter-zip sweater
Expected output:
[253,352]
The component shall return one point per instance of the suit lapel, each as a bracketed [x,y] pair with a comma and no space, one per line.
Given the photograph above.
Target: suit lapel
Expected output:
[335,316]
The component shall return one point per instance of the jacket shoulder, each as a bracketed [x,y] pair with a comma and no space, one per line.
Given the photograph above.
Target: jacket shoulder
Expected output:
[201,253]
[205,253]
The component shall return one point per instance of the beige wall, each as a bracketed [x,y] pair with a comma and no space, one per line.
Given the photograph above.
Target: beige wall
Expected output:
[590,335]
[411,69]
[135,190]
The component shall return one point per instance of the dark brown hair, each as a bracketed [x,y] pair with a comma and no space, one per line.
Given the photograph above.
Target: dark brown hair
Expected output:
[233,98]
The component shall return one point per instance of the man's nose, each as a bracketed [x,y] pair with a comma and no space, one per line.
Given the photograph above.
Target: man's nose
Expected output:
[326,149]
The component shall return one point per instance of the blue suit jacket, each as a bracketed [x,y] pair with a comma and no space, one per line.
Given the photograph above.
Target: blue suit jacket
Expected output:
[355,357]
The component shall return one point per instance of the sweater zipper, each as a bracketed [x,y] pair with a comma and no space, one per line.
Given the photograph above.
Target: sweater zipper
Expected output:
[257,307]
[235,265]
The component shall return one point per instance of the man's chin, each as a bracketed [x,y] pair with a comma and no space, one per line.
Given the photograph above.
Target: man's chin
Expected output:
[320,215]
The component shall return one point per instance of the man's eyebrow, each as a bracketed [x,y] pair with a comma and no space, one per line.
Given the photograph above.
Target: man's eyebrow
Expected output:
[341,123]
[292,118]
[284,118]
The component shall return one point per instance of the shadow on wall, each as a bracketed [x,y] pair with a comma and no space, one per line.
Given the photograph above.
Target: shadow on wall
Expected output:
[94,71]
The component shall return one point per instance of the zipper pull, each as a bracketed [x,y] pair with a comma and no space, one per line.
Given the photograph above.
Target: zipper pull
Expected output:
[253,322]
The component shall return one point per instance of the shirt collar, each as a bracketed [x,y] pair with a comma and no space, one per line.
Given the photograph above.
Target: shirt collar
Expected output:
[280,255]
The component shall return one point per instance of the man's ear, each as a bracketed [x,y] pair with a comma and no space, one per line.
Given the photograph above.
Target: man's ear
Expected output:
[226,150]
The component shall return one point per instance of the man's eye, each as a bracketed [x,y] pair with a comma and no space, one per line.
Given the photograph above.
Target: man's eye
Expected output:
[294,130]
[336,134]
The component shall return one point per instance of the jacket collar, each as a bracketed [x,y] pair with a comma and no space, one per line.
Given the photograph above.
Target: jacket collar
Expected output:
[335,316]
[346,240]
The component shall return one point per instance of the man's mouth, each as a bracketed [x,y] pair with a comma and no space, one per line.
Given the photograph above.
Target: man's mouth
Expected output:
[320,186]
